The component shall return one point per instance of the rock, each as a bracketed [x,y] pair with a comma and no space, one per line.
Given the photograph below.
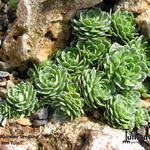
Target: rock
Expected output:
[141,10]
[142,131]
[6,147]
[3,93]
[24,121]
[41,114]
[4,74]
[1,118]
[29,145]
[11,77]
[98,136]
[41,27]
[145,103]
[56,119]
[9,84]
[38,123]
[108,139]
[3,123]
[3,83]
[4,66]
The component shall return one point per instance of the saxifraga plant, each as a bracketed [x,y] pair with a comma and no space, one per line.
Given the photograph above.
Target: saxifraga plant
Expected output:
[125,67]
[141,117]
[120,113]
[51,81]
[72,60]
[68,105]
[34,72]
[91,24]
[22,98]
[95,88]
[125,112]
[123,26]
[141,44]
[93,50]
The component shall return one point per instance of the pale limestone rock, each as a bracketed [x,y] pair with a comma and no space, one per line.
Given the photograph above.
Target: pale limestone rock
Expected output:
[141,10]
[98,136]
[41,27]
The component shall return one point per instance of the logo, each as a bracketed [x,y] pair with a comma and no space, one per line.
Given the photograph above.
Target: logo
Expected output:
[133,137]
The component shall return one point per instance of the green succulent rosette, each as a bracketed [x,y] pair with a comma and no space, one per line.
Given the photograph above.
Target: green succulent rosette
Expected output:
[125,67]
[34,72]
[120,113]
[51,81]
[141,117]
[22,98]
[133,96]
[72,60]
[93,50]
[68,105]
[141,44]
[72,85]
[123,25]
[95,88]
[7,110]
[91,24]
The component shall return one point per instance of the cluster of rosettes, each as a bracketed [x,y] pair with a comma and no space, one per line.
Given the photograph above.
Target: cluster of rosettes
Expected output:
[104,68]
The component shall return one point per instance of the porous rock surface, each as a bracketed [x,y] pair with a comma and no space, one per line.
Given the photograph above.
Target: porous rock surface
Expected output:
[85,134]
[81,134]
[141,11]
[41,27]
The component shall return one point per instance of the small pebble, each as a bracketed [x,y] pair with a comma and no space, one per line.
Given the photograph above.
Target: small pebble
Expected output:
[9,85]
[4,74]
[4,66]
[2,83]
[142,131]
[41,114]
[1,118]
[24,121]
[3,93]
[38,123]
[4,122]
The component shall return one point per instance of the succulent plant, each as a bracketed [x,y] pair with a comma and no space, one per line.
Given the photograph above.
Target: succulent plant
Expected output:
[123,25]
[51,80]
[96,89]
[120,113]
[72,85]
[93,50]
[141,117]
[125,67]
[72,60]
[34,72]
[141,44]
[69,105]
[91,24]
[133,96]
[22,98]
[7,110]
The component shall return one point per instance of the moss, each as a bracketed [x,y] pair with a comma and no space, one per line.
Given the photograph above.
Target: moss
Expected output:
[13,4]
